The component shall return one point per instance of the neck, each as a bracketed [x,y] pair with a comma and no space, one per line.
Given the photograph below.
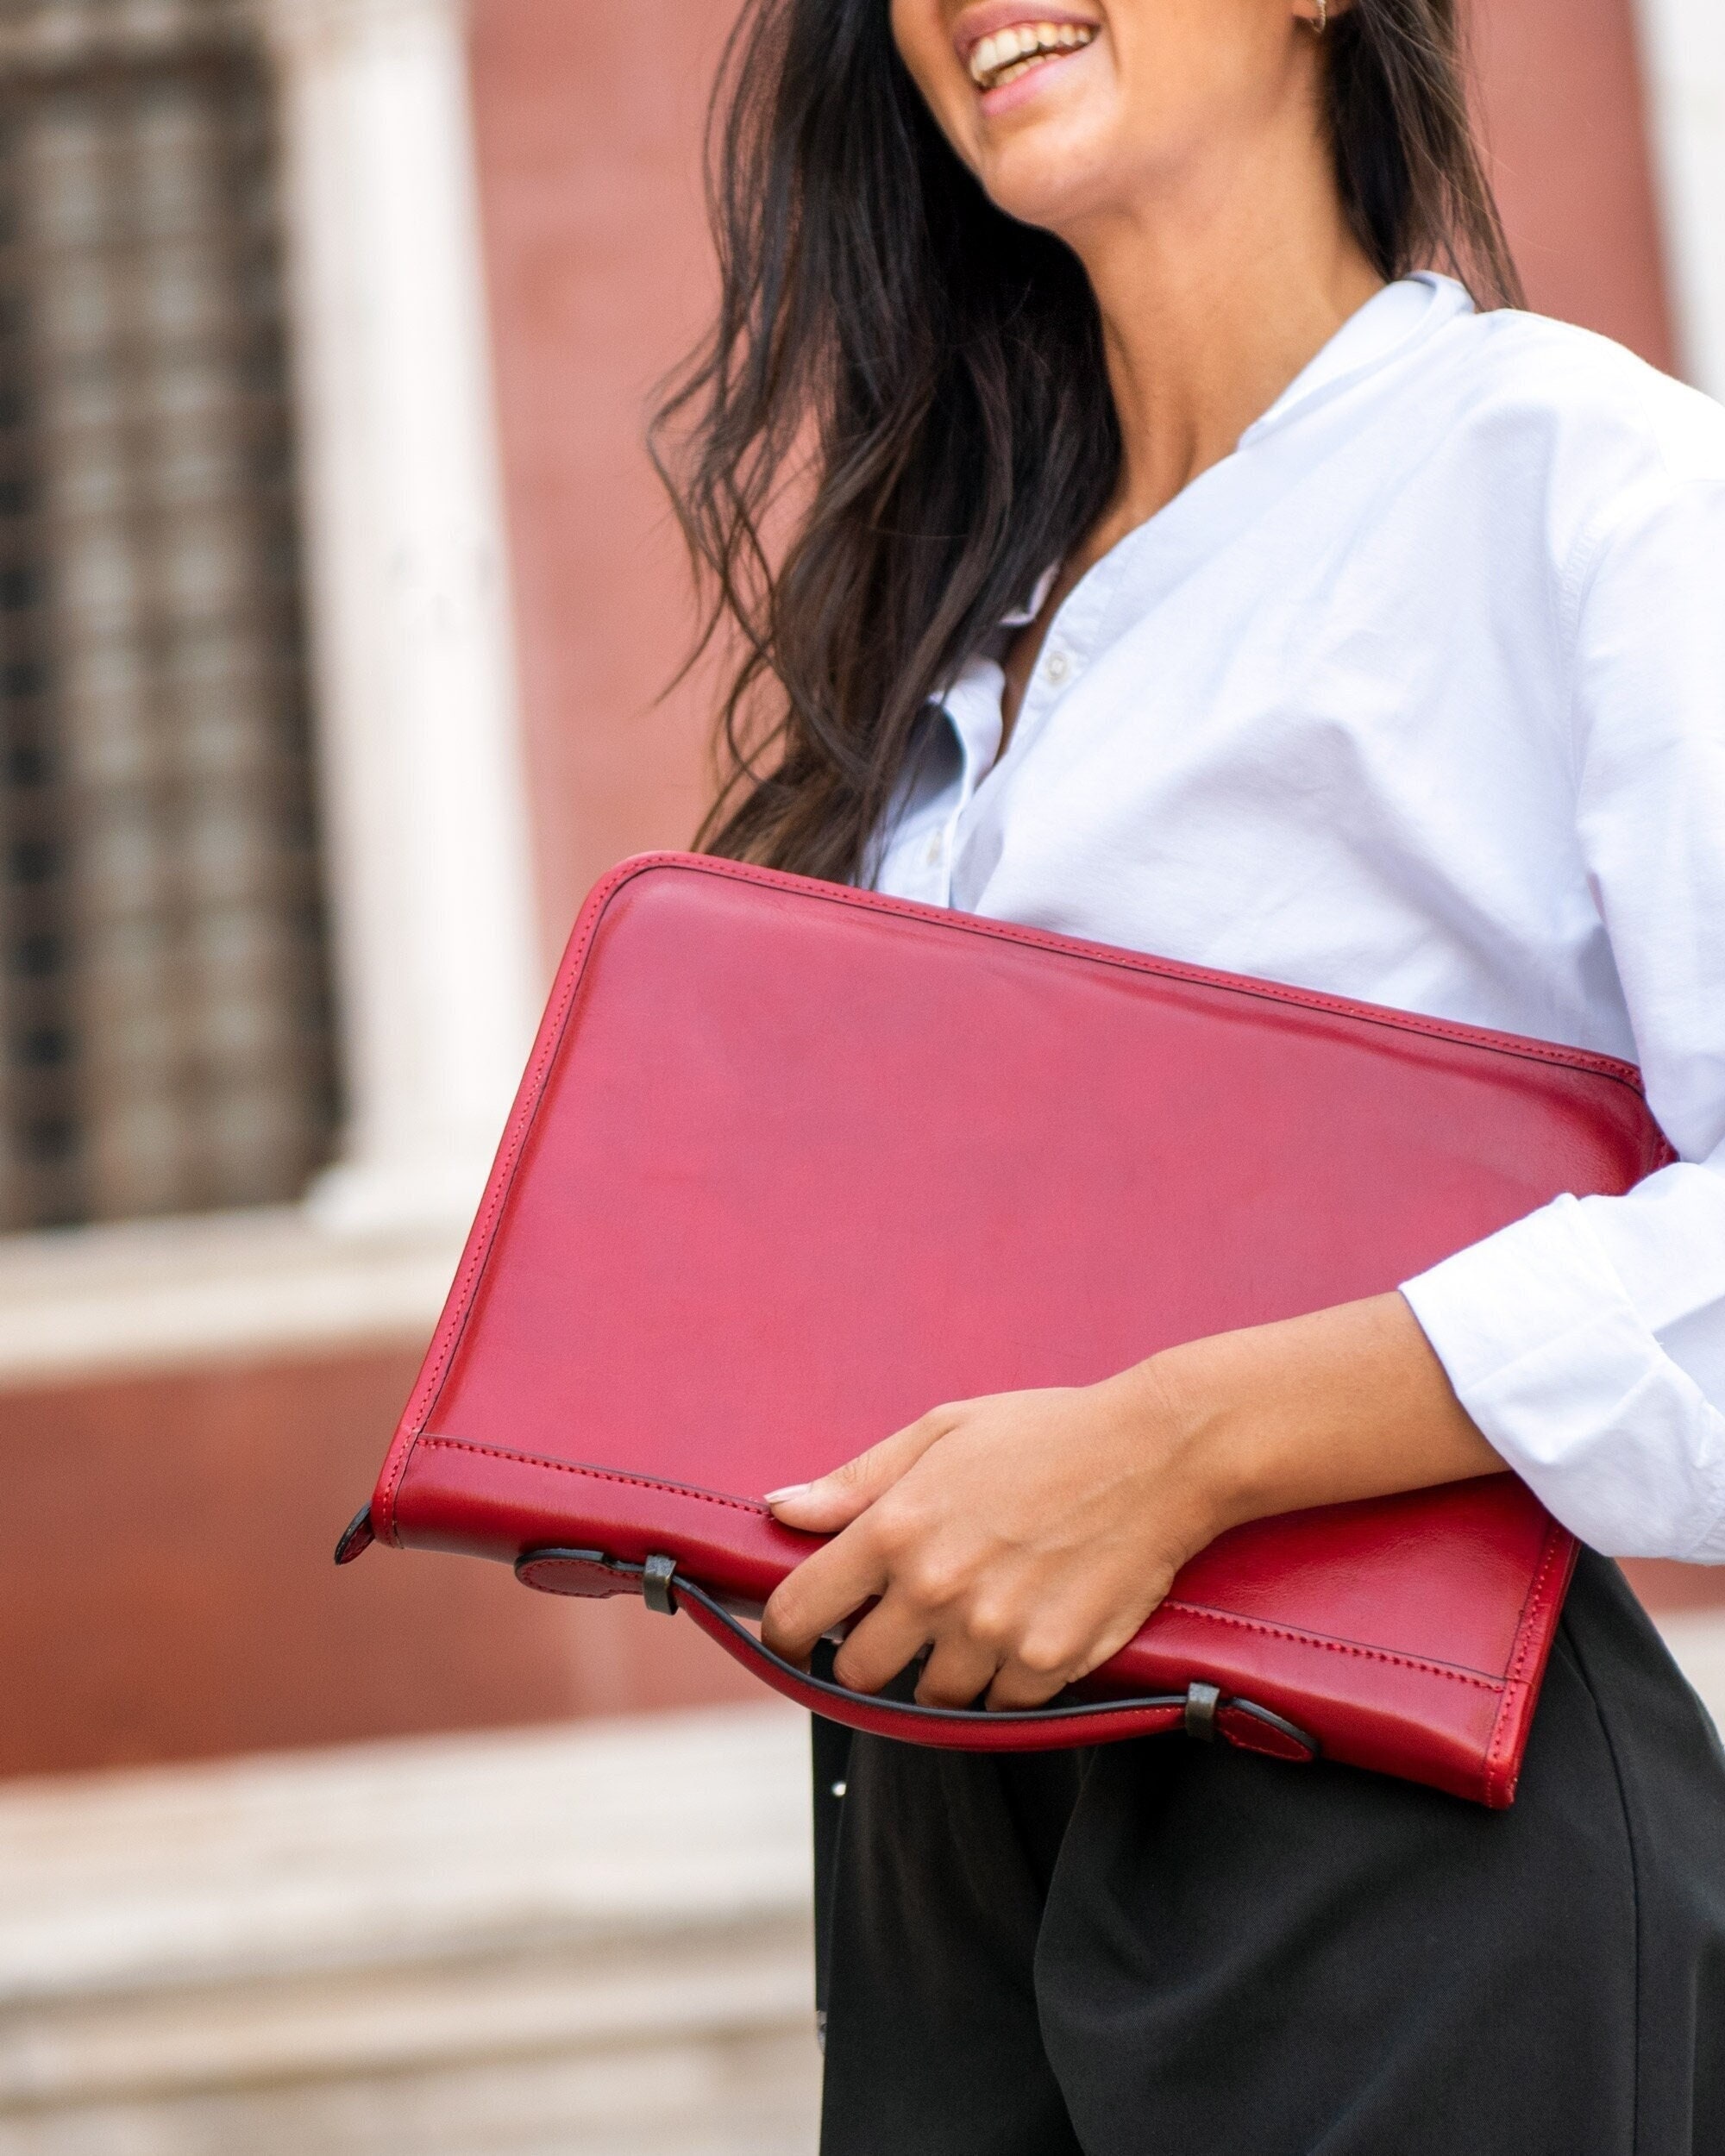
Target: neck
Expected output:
[1216,289]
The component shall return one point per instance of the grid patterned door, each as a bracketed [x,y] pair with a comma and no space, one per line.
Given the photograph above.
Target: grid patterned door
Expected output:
[163,995]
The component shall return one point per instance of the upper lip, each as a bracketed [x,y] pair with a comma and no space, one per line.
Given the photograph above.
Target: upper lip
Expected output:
[978,22]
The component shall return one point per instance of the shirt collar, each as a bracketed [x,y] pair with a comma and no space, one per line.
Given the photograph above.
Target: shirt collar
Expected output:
[1402,314]
[1022,616]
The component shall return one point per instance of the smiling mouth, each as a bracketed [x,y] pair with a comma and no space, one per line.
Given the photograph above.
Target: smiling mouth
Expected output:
[997,60]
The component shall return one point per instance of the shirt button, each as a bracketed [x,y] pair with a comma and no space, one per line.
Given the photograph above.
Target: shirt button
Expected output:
[933,850]
[1058,666]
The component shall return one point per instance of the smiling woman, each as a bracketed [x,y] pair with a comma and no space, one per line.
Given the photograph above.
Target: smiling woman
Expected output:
[938,344]
[1141,512]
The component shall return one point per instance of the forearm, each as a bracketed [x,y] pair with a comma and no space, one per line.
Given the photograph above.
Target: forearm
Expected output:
[1346,1403]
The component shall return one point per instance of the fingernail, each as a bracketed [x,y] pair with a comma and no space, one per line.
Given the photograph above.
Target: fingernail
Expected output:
[779,1496]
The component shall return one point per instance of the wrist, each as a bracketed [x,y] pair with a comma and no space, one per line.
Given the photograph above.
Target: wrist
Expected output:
[1186,1420]
[1343,1404]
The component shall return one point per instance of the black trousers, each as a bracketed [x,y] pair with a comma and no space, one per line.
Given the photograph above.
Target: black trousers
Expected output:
[1163,1949]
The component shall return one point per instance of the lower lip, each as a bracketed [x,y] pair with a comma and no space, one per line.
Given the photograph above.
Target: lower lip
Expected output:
[1010,96]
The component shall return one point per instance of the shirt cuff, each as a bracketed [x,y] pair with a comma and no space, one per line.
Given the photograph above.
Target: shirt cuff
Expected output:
[1563,1376]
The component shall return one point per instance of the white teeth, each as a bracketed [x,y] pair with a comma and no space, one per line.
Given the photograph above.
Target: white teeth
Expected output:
[1011,52]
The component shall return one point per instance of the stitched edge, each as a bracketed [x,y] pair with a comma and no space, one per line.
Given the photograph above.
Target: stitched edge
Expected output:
[458,1304]
[1498,1782]
[1558,1540]
[598,1474]
[1539,1597]
[1291,1633]
[1339,1647]
[1523,1046]
[1515,1692]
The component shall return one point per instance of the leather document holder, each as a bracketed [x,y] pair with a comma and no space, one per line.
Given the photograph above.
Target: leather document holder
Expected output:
[792,1164]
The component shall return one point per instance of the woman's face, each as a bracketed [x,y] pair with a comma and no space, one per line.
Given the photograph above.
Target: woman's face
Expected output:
[1097,108]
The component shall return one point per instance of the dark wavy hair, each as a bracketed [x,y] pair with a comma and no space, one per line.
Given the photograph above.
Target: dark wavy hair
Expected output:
[907,386]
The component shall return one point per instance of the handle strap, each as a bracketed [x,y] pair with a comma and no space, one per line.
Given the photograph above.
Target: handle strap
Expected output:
[1202,1710]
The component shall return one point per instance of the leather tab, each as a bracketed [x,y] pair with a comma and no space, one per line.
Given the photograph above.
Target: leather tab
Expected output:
[357,1537]
[589,1574]
[1250,1728]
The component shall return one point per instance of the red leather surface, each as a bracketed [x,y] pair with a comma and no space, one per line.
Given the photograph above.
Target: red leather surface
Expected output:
[792,1164]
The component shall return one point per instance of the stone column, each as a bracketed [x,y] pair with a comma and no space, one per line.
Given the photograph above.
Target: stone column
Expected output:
[419,737]
[1684,41]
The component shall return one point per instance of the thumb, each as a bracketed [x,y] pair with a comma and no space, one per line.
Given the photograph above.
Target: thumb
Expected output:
[822,1508]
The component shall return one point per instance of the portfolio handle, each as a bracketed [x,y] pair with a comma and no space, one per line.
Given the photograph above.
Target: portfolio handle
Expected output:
[1202,1710]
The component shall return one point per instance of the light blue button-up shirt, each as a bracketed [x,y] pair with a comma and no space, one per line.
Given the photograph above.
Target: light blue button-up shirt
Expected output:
[1419,697]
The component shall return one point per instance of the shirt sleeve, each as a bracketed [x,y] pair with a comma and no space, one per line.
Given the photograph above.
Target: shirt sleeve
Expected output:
[1588,1340]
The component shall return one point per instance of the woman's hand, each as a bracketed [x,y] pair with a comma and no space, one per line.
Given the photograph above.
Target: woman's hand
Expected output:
[1023,1539]
[1027,1536]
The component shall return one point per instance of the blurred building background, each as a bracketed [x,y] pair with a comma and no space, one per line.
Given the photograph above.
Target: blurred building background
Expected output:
[336,596]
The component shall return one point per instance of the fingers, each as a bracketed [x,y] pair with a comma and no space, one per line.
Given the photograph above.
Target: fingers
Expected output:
[825,1506]
[825,1588]
[1033,1675]
[979,1646]
[891,1636]
[972,1653]
[1056,1649]
[956,1674]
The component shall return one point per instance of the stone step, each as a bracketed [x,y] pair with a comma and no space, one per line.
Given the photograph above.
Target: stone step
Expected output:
[582,1942]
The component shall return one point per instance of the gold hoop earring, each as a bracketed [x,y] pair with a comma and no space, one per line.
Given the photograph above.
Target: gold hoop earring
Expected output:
[1321,21]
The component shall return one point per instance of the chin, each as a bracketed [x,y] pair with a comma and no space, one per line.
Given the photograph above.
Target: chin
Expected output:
[1046,184]
[1054,158]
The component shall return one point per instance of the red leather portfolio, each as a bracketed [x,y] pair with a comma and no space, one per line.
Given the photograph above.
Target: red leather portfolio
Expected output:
[793,1163]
